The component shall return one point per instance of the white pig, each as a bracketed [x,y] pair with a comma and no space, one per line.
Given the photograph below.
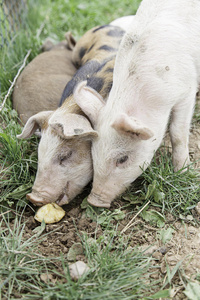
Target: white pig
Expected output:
[156,74]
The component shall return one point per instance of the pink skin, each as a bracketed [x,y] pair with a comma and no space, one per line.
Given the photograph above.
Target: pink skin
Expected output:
[102,194]
[64,156]
[125,145]
[118,170]
[60,179]
[62,182]
[134,144]
[41,197]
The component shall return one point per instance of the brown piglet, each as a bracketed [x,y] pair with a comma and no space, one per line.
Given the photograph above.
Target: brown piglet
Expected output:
[41,83]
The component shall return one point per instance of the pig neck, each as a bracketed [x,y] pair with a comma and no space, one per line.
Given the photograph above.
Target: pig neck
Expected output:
[94,54]
[99,76]
[69,105]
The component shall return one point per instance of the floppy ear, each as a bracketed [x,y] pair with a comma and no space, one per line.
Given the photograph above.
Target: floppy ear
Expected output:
[33,123]
[132,127]
[71,42]
[72,126]
[89,101]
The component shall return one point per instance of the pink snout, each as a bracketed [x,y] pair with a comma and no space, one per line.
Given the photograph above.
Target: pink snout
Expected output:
[96,200]
[36,200]
[40,201]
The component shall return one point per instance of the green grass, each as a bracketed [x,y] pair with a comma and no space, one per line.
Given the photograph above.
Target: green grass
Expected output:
[111,274]
[172,192]
[18,160]
[79,16]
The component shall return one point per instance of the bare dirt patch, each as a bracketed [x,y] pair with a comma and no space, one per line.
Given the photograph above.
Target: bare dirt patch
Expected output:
[184,246]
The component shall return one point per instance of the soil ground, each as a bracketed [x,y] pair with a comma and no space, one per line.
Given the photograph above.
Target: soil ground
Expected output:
[184,245]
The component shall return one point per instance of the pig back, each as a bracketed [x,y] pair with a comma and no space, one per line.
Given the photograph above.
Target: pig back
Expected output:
[94,54]
[40,85]
[98,43]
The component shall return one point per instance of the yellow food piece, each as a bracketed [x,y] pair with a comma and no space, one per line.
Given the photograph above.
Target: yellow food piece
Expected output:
[50,213]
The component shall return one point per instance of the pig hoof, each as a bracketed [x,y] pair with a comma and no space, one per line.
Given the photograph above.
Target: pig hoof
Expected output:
[98,203]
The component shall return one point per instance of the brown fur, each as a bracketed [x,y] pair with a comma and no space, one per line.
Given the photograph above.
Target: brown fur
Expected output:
[40,85]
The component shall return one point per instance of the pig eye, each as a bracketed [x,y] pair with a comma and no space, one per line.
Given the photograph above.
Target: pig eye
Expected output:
[65,157]
[121,160]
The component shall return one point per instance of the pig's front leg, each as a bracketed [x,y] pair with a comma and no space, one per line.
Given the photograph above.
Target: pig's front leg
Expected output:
[179,132]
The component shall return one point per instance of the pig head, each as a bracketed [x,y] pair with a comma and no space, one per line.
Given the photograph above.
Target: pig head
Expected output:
[123,149]
[64,156]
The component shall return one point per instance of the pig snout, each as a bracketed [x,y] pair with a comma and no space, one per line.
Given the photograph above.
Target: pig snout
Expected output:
[103,194]
[36,200]
[39,200]
[98,201]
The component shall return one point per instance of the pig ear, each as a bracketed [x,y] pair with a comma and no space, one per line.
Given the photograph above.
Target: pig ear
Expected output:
[132,127]
[72,126]
[89,101]
[71,42]
[33,123]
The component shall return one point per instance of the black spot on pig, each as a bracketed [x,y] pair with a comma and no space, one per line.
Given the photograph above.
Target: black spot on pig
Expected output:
[96,83]
[108,48]
[78,131]
[133,133]
[85,72]
[109,70]
[131,40]
[100,27]
[107,88]
[68,90]
[82,52]
[104,63]
[116,32]
[77,64]
[90,48]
